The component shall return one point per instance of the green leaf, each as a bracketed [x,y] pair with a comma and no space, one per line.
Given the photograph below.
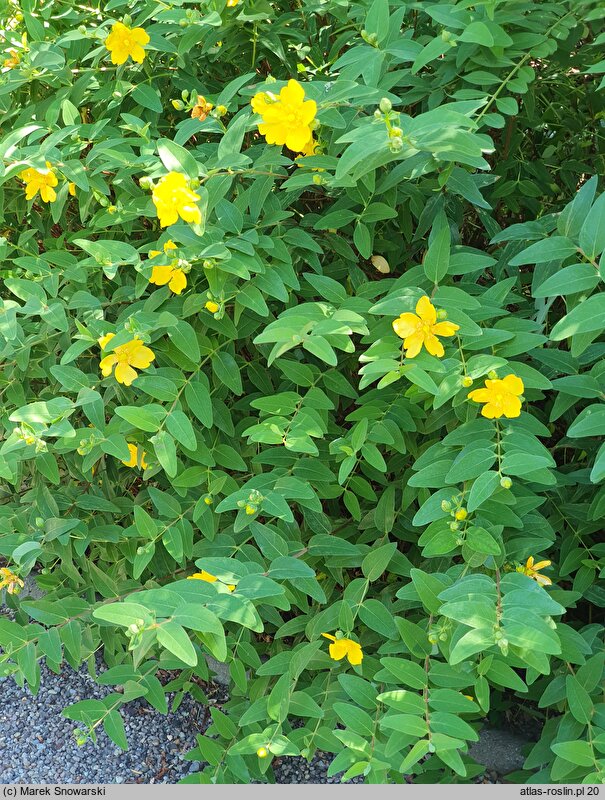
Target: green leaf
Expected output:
[175,639]
[580,704]
[113,725]
[590,422]
[577,752]
[198,399]
[122,613]
[437,259]
[165,450]
[592,233]
[482,489]
[226,370]
[556,248]
[148,97]
[376,561]
[586,317]
[176,159]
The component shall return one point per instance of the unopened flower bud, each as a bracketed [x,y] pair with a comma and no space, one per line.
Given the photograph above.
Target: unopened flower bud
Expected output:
[506,482]
[396,144]
[467,381]
[454,526]
[208,500]
[194,183]
[442,314]
[221,111]
[395,132]
[145,182]
[178,105]
[462,513]
[183,23]
[385,105]
[446,505]
[377,114]
[262,752]
[250,510]
[492,375]
[82,29]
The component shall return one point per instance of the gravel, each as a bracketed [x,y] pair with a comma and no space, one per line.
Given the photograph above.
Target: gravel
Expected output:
[37,743]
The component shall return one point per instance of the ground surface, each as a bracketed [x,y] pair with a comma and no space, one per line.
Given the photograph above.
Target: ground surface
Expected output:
[37,743]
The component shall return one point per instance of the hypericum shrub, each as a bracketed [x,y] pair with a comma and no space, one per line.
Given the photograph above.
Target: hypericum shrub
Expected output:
[303,372]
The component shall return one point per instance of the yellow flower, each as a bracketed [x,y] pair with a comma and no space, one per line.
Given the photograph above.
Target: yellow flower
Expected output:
[422,328]
[262,752]
[137,457]
[40,181]
[124,358]
[501,397]
[344,647]
[167,274]
[13,61]
[286,119]
[206,576]
[124,41]
[212,307]
[173,198]
[532,570]
[10,581]
[71,188]
[201,109]
[232,3]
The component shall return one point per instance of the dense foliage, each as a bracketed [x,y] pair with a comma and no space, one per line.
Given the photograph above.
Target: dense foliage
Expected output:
[304,302]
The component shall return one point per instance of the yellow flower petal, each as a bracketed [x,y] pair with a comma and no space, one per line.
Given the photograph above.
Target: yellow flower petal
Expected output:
[433,345]
[161,275]
[413,344]
[513,384]
[338,650]
[125,374]
[426,310]
[405,325]
[178,281]
[445,328]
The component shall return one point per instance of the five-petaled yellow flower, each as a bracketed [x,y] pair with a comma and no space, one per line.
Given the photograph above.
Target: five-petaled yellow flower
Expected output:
[10,581]
[124,41]
[206,576]
[422,328]
[344,647]
[532,570]
[137,457]
[173,198]
[41,181]
[124,358]
[287,118]
[501,397]
[166,273]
